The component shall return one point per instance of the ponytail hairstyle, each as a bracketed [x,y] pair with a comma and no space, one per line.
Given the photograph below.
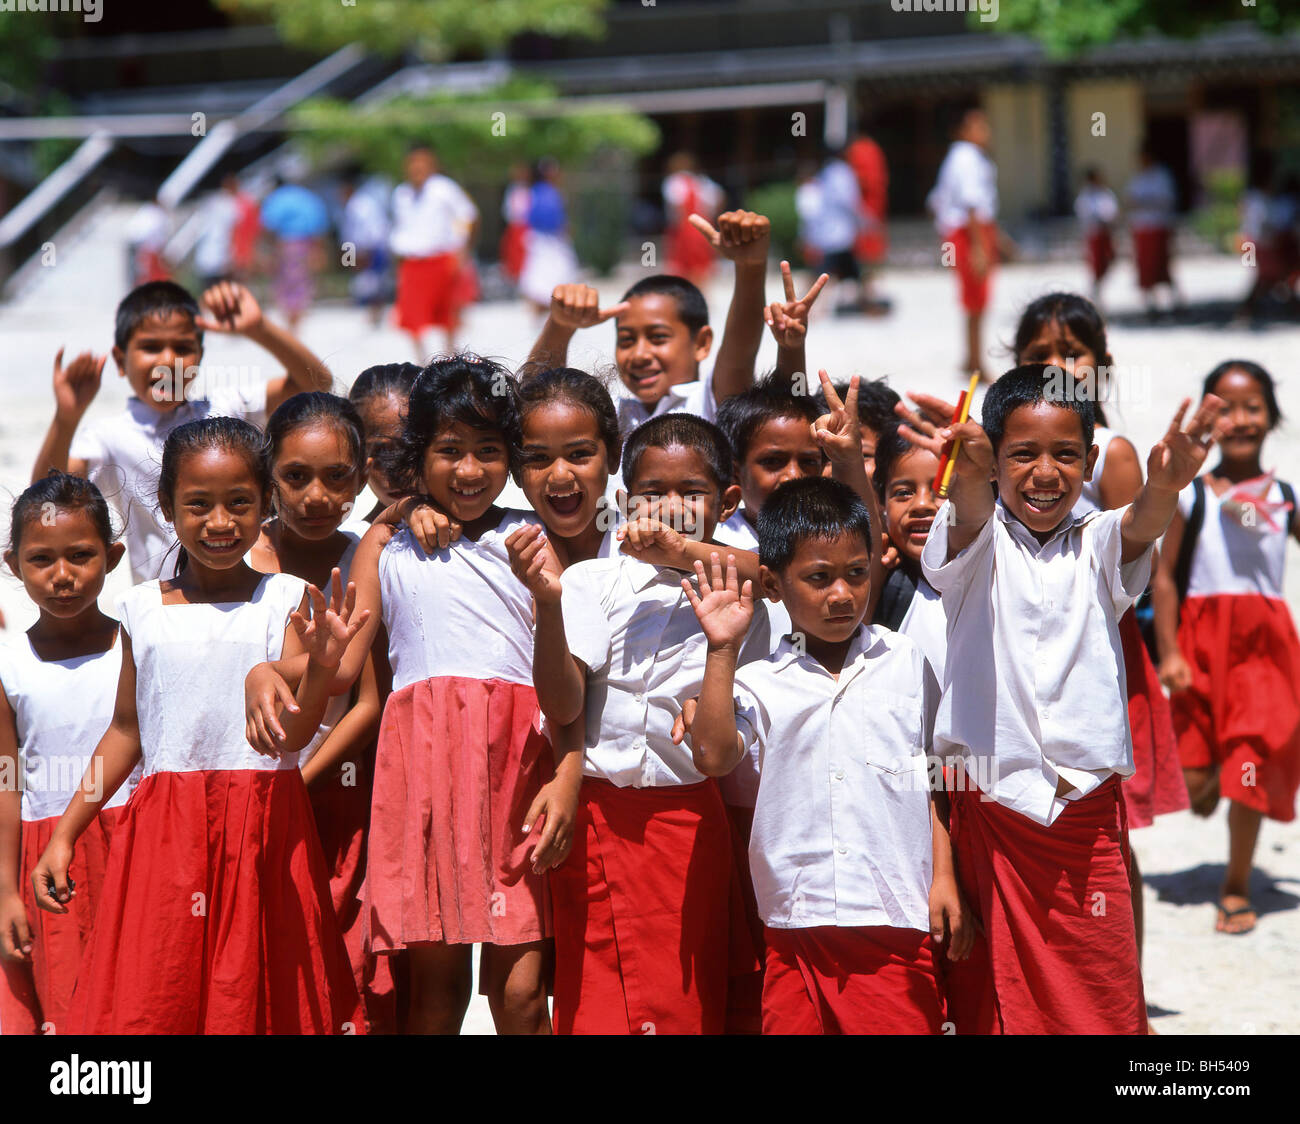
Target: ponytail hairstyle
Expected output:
[1072,311]
[227,434]
[64,492]
[461,388]
[583,392]
[317,407]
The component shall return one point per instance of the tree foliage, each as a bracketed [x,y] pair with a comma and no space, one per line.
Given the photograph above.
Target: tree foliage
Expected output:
[1067,27]
[432,28]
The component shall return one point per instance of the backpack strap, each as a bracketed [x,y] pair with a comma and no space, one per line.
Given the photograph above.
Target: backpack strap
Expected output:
[895,599]
[1192,531]
[1288,494]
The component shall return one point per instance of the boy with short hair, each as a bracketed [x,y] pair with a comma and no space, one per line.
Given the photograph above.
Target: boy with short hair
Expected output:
[158,346]
[850,856]
[1033,711]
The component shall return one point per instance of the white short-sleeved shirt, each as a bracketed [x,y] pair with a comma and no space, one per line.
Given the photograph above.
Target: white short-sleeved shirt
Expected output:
[123,456]
[61,710]
[458,612]
[190,664]
[1233,558]
[630,623]
[1035,686]
[1095,207]
[967,181]
[842,831]
[434,220]
[926,624]
[695,397]
[737,531]
[1152,198]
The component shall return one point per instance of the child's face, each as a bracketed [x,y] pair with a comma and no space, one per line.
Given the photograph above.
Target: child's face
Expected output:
[781,449]
[564,467]
[216,507]
[1057,345]
[465,469]
[315,481]
[676,486]
[654,350]
[62,561]
[161,359]
[1244,420]
[1042,464]
[382,417]
[870,438]
[824,588]
[420,165]
[910,505]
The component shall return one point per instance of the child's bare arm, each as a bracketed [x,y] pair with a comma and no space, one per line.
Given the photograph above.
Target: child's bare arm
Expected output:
[15,926]
[950,917]
[660,545]
[354,732]
[235,309]
[1175,673]
[572,307]
[75,387]
[557,803]
[743,237]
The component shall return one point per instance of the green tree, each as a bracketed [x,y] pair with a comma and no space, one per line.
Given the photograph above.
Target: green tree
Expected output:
[1067,27]
[432,28]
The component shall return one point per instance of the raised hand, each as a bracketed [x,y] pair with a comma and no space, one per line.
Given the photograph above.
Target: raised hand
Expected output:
[234,309]
[1177,458]
[646,538]
[839,433]
[723,607]
[578,306]
[974,458]
[534,563]
[788,319]
[332,625]
[929,410]
[76,385]
[742,236]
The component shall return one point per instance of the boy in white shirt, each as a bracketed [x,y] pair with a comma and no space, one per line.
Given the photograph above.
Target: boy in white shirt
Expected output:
[850,855]
[1034,710]
[158,346]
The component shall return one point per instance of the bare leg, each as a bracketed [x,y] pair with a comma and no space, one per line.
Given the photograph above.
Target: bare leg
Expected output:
[1243,834]
[416,342]
[1135,884]
[974,352]
[441,978]
[1202,789]
[516,992]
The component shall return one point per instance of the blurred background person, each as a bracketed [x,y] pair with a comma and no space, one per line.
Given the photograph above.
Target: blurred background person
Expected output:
[364,227]
[829,205]
[1152,198]
[297,219]
[549,259]
[514,209]
[1097,209]
[867,159]
[688,191]
[214,251]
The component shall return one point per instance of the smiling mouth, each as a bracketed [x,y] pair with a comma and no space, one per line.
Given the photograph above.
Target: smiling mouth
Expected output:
[919,530]
[567,504]
[219,546]
[469,493]
[1043,501]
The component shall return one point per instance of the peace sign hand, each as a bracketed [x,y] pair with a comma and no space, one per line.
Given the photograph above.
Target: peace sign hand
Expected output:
[1177,458]
[788,319]
[839,433]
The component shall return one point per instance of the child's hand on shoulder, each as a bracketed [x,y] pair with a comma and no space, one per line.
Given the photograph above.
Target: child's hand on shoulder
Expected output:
[741,236]
[332,624]
[723,606]
[430,526]
[76,385]
[1178,457]
[234,309]
[788,319]
[15,929]
[578,306]
[534,563]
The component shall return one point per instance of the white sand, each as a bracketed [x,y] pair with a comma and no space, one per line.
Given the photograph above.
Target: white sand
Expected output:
[1197,981]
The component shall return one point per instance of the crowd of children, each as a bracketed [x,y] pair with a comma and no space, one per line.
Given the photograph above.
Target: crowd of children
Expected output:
[740,726]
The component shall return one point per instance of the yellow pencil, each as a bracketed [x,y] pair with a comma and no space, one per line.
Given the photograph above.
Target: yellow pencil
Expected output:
[956,445]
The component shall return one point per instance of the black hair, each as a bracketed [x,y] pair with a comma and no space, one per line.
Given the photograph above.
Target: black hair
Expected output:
[891,446]
[1085,323]
[64,491]
[1025,385]
[579,389]
[153,298]
[462,388]
[741,415]
[814,507]
[1256,372]
[692,309]
[317,407]
[876,402]
[685,431]
[383,380]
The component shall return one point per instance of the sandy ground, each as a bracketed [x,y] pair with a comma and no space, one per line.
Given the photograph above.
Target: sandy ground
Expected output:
[1197,981]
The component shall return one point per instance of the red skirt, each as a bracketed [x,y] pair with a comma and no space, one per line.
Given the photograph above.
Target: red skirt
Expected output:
[1059,951]
[690,254]
[1151,250]
[512,249]
[974,288]
[34,995]
[1241,712]
[646,913]
[215,915]
[342,813]
[1101,252]
[427,293]
[1156,786]
[745,991]
[871,980]
[459,763]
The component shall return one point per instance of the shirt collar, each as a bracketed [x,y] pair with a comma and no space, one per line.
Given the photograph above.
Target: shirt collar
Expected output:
[788,653]
[1026,537]
[642,575]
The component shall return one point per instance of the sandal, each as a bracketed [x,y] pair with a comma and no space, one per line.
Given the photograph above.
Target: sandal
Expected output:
[1226,915]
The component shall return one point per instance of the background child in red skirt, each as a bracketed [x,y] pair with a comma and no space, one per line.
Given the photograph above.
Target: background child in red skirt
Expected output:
[61,547]
[1228,647]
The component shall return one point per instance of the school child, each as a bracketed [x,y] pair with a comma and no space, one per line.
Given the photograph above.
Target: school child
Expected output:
[317,452]
[379,395]
[1066,330]
[1228,646]
[663,333]
[855,881]
[215,914]
[61,547]
[1096,208]
[461,766]
[1041,736]
[158,346]
[649,885]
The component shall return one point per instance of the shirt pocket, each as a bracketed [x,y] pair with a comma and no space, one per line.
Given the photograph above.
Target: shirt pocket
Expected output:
[889,729]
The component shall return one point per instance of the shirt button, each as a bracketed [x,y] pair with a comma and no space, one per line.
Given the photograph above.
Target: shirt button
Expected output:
[839,774]
[843,850]
[639,697]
